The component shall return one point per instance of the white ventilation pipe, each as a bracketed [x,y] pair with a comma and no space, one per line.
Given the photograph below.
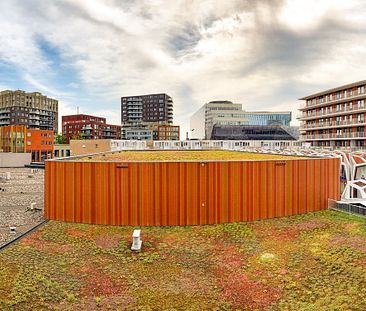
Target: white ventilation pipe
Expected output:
[136,241]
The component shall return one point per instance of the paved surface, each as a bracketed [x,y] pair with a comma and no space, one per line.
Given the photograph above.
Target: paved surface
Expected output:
[16,196]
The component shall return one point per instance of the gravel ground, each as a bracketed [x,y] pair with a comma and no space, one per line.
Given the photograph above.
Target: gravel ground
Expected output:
[16,196]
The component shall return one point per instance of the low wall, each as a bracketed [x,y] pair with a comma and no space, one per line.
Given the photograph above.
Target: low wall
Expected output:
[187,193]
[10,159]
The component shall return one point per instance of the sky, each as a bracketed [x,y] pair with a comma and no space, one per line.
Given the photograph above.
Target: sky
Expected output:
[262,54]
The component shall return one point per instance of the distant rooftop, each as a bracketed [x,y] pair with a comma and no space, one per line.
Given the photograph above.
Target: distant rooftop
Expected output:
[268,112]
[23,92]
[220,102]
[338,88]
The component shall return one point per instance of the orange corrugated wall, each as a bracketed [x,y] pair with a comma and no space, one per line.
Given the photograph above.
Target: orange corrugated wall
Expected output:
[187,193]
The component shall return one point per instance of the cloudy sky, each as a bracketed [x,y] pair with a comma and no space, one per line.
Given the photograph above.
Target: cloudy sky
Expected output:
[263,54]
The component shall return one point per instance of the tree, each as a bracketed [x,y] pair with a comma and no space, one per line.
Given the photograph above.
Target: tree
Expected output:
[60,139]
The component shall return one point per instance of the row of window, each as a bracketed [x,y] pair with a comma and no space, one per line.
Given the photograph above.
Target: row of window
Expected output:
[337,95]
[48,143]
[339,107]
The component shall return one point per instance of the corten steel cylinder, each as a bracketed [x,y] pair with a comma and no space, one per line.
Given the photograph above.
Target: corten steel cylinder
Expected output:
[187,193]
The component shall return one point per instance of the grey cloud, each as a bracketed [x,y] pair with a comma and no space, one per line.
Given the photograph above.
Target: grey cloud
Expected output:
[282,49]
[184,41]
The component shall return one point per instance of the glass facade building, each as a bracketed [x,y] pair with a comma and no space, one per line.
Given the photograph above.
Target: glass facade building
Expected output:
[269,118]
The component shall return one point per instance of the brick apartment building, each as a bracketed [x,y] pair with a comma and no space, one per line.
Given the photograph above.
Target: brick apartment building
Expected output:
[33,110]
[19,139]
[335,117]
[168,132]
[82,126]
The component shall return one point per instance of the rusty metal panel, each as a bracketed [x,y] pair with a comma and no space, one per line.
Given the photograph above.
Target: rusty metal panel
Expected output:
[187,193]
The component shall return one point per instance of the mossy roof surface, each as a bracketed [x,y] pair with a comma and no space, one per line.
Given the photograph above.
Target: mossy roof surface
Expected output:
[186,155]
[307,262]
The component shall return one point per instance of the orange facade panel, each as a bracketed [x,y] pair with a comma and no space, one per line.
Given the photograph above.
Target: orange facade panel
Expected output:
[18,138]
[187,193]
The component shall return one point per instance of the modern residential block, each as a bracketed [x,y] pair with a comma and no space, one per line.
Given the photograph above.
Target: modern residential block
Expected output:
[20,139]
[33,110]
[156,108]
[82,126]
[335,118]
[145,112]
[148,117]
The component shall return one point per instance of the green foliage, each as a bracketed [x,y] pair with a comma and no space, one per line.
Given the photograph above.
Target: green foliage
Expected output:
[60,139]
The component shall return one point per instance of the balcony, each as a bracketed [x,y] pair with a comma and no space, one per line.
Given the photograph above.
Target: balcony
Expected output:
[319,114]
[335,136]
[333,101]
[333,124]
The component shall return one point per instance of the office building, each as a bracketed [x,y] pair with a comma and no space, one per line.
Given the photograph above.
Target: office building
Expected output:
[82,126]
[20,139]
[253,132]
[221,112]
[33,110]
[227,113]
[335,117]
[269,117]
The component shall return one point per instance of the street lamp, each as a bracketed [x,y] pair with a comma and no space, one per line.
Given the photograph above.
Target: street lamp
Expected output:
[187,138]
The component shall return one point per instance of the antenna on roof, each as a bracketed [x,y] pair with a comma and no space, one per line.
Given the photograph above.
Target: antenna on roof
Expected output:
[77,110]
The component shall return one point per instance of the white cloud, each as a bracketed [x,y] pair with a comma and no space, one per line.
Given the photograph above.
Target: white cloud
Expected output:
[264,55]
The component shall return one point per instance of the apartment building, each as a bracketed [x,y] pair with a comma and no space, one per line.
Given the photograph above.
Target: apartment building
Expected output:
[220,112]
[20,139]
[33,110]
[82,126]
[269,117]
[139,134]
[335,118]
[168,132]
[155,108]
[148,117]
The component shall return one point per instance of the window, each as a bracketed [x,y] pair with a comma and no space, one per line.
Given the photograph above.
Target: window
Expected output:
[360,118]
[361,89]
